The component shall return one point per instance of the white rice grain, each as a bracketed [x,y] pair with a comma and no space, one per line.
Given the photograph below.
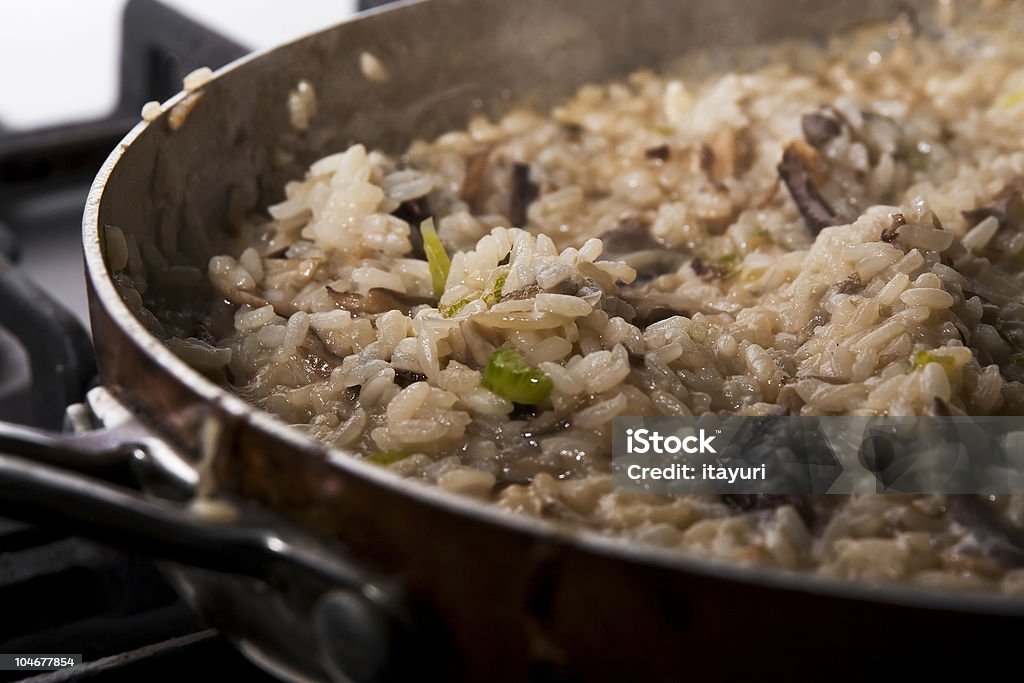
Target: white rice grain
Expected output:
[978,237]
[927,296]
[197,79]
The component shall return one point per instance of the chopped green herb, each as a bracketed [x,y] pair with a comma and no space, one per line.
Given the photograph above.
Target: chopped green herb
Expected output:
[731,265]
[452,310]
[923,358]
[388,458]
[437,257]
[509,375]
[1011,99]
[494,296]
[727,264]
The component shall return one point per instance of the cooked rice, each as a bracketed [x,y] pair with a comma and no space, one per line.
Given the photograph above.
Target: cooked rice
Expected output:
[661,267]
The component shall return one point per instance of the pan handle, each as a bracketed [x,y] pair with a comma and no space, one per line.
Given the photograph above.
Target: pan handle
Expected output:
[43,494]
[105,453]
[360,627]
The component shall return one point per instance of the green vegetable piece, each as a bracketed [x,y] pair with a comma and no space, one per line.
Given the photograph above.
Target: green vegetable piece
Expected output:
[452,310]
[494,296]
[437,257]
[1011,99]
[388,458]
[923,358]
[509,375]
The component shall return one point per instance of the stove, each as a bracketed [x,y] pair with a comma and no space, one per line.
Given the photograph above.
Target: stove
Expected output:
[65,595]
[61,594]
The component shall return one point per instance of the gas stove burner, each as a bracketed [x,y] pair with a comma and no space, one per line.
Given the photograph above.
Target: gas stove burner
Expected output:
[115,610]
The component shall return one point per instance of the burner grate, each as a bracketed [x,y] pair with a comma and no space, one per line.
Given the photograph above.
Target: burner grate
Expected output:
[63,594]
[197,654]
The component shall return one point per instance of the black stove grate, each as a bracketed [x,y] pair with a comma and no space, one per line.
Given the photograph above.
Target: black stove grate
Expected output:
[61,594]
[201,655]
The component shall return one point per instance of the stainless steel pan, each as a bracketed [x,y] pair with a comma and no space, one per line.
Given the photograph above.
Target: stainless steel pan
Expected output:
[403,580]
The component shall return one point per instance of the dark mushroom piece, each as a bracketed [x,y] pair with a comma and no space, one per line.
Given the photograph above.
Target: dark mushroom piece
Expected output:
[572,130]
[649,315]
[851,284]
[522,193]
[565,287]
[630,235]
[892,232]
[231,293]
[636,360]
[414,212]
[651,263]
[820,316]
[707,158]
[240,297]
[522,293]
[1008,211]
[942,408]
[708,271]
[659,153]
[546,423]
[473,180]
[617,307]
[523,412]
[999,538]
[404,378]
[632,243]
[819,128]
[316,357]
[378,300]
[793,169]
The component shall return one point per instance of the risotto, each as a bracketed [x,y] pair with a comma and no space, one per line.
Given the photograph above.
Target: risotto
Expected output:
[797,229]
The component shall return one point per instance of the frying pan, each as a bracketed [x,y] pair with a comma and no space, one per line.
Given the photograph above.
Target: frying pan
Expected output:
[322,567]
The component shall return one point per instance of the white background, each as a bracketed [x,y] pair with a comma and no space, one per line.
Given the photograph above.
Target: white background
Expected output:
[59,62]
[59,58]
